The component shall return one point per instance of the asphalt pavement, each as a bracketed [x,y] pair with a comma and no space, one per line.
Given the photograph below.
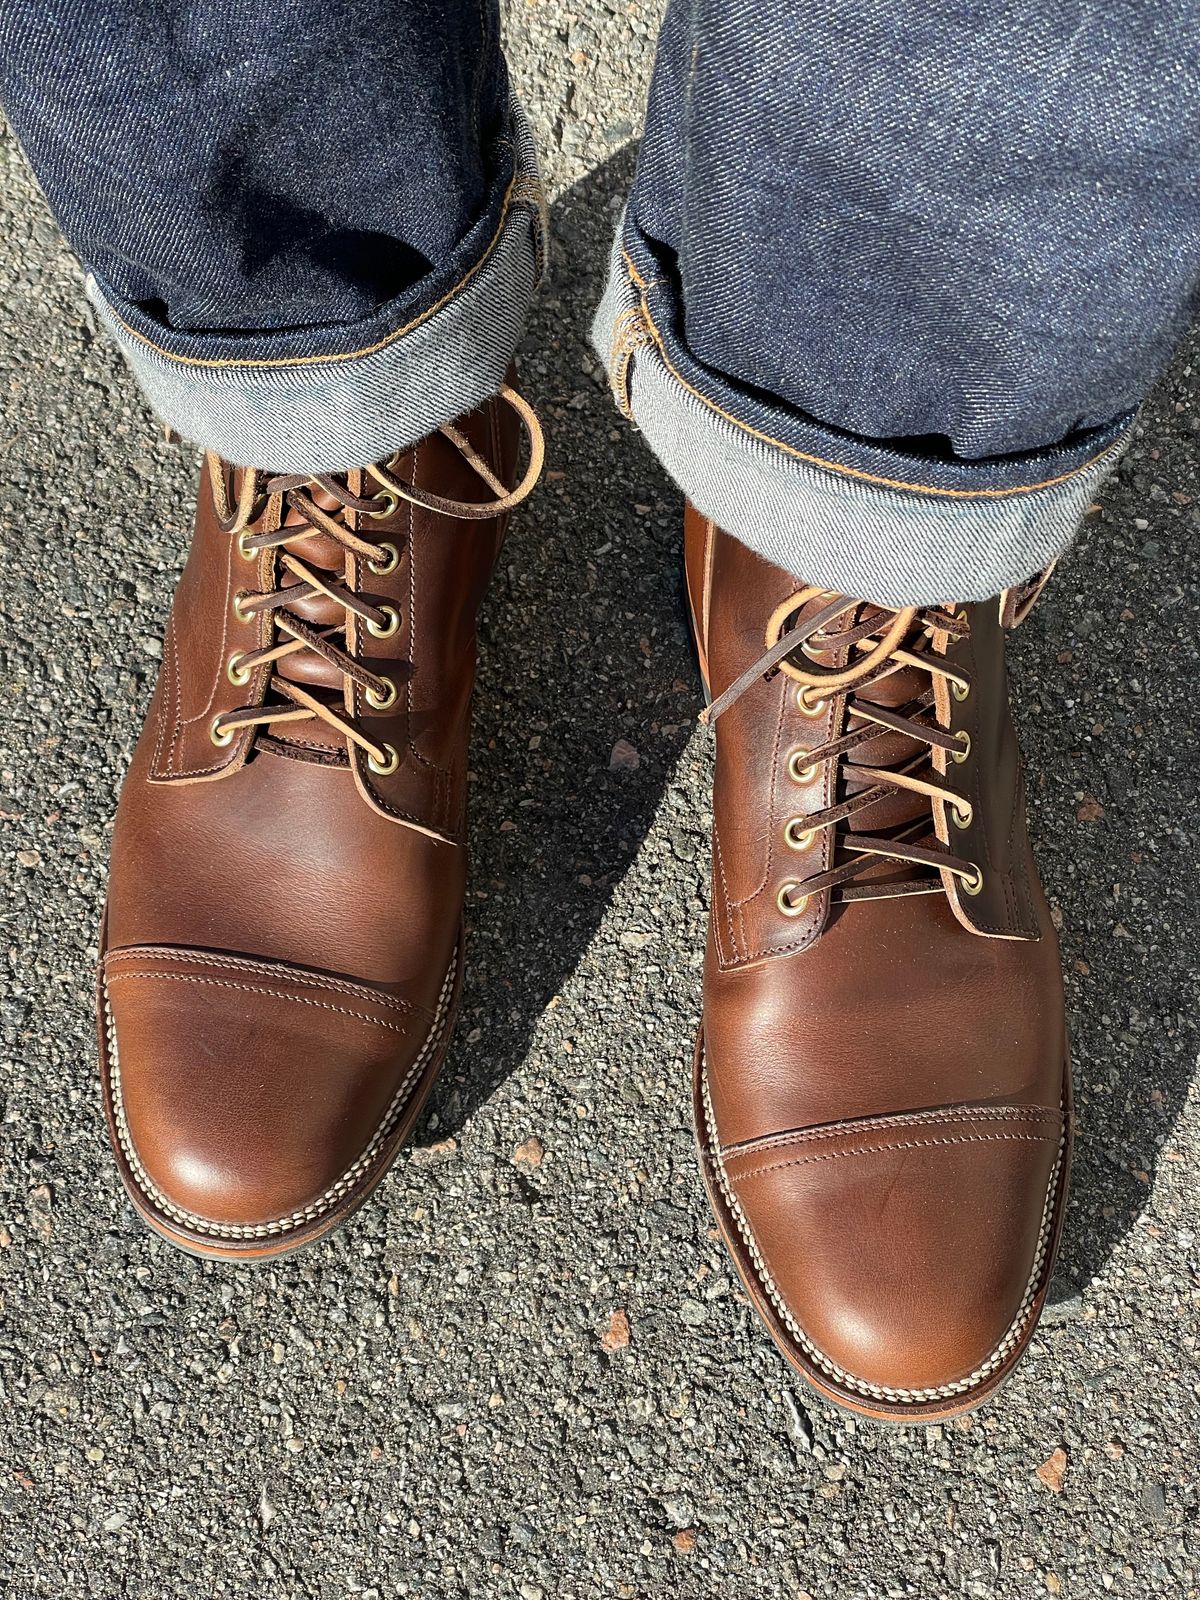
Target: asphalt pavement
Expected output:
[527,1368]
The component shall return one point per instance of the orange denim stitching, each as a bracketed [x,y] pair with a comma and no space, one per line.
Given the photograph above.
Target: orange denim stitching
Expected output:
[346,355]
[629,335]
[837,466]
[639,281]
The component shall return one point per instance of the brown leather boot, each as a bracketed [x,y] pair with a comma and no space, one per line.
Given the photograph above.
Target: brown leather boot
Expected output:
[882,1088]
[282,945]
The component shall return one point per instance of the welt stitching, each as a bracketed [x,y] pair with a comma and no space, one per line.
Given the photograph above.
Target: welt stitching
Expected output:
[906,1144]
[246,988]
[141,953]
[857,472]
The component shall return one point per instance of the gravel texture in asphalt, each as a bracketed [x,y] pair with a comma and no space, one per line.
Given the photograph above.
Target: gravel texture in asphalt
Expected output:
[527,1369]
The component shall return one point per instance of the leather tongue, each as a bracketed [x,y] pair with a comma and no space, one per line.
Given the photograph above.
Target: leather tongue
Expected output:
[898,808]
[327,558]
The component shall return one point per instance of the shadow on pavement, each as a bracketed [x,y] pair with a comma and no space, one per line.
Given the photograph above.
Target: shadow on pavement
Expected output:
[584,644]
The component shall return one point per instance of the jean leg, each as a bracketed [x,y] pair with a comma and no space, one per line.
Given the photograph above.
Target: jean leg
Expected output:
[893,279]
[312,228]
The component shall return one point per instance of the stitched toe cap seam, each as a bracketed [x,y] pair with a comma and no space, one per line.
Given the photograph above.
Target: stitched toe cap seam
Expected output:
[830,1369]
[304,1216]
[125,962]
[743,1173]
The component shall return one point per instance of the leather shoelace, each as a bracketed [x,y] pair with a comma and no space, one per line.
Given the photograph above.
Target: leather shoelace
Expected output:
[295,493]
[877,643]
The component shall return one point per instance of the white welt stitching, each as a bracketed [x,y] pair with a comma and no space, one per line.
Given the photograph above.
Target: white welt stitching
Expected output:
[880,1391]
[315,1208]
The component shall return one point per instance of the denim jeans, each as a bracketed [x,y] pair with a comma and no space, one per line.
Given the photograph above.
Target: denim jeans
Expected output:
[891,284]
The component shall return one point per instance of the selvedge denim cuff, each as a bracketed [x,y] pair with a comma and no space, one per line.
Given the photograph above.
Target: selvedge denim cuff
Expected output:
[842,512]
[327,398]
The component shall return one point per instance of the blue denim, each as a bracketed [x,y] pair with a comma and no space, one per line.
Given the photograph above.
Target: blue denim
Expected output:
[892,282]
[961,231]
[895,276]
[237,165]
[314,230]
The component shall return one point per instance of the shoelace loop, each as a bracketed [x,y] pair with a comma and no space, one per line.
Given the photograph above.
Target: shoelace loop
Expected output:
[874,643]
[257,491]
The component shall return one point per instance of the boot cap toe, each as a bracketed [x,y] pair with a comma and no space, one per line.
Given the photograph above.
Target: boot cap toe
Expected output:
[904,1255]
[248,1097]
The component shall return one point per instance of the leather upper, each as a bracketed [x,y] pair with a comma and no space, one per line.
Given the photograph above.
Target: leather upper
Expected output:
[883,1078]
[283,923]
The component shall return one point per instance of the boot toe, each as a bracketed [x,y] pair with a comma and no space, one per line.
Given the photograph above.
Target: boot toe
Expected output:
[904,1256]
[251,1099]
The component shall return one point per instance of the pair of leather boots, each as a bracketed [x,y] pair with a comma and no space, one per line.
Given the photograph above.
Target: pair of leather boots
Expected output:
[881,1081]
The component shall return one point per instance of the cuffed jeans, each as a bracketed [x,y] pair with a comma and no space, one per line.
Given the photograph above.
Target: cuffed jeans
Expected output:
[891,284]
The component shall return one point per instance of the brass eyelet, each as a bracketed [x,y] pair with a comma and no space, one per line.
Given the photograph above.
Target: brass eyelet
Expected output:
[391,560]
[219,736]
[807,708]
[244,549]
[796,837]
[239,601]
[797,772]
[384,630]
[382,701]
[964,738]
[388,501]
[236,672]
[788,907]
[960,691]
[972,885]
[961,816]
[389,763]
